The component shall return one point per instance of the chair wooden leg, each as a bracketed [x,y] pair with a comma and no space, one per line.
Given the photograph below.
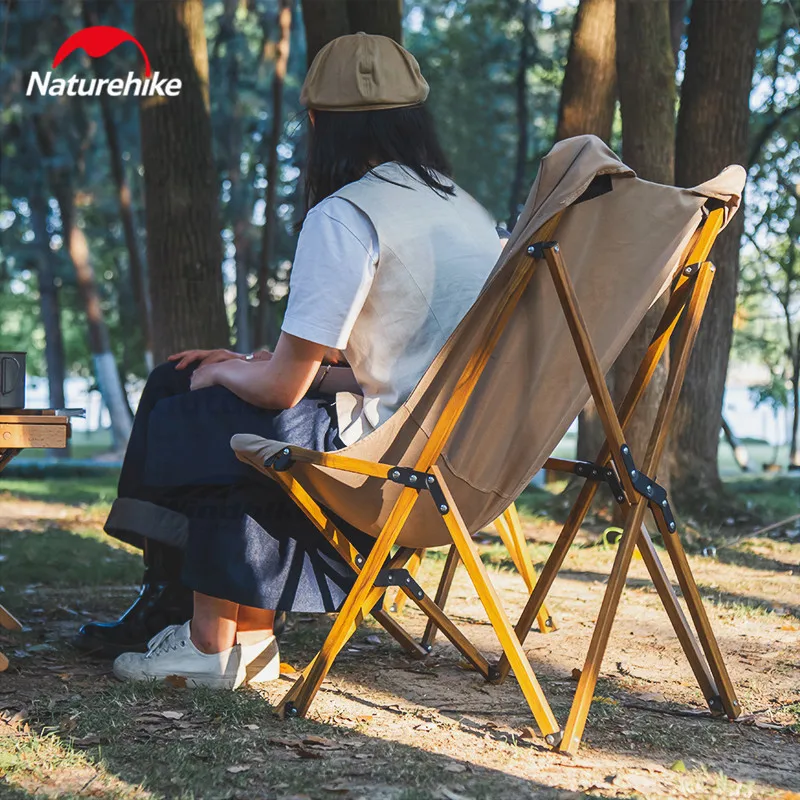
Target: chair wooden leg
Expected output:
[605,620]
[550,570]
[442,593]
[725,699]
[676,616]
[468,551]
[525,563]
[350,614]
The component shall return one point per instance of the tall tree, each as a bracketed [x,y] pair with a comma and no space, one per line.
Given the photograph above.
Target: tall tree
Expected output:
[325,20]
[712,132]
[92,15]
[270,229]
[589,88]
[646,78]
[587,105]
[526,44]
[183,232]
[62,184]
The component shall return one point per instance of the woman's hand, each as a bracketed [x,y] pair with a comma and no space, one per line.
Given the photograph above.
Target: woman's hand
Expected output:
[205,375]
[187,357]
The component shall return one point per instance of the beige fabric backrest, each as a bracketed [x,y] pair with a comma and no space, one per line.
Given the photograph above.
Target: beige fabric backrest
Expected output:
[621,249]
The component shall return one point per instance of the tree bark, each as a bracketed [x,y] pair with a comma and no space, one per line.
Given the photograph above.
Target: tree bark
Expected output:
[384,17]
[270,229]
[523,121]
[712,132]
[184,246]
[138,270]
[77,247]
[325,20]
[48,299]
[588,101]
[646,77]
[589,88]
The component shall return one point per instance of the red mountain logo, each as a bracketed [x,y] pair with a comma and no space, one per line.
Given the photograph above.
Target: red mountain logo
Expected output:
[98,41]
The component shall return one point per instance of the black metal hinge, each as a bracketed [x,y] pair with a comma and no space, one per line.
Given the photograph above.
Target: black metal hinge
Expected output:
[654,493]
[399,577]
[280,462]
[594,472]
[536,250]
[420,481]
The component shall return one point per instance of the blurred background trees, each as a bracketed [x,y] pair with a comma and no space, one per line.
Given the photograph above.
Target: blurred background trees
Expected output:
[132,228]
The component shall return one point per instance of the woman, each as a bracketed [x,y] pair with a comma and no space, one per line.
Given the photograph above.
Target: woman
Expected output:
[390,257]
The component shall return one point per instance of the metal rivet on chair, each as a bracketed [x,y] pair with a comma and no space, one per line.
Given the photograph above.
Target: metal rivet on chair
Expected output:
[634,473]
[431,479]
[664,503]
[443,508]
[672,526]
[531,251]
[396,474]
[286,451]
[649,489]
[625,449]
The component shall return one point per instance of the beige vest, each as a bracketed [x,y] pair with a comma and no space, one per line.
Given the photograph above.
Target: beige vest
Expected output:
[435,253]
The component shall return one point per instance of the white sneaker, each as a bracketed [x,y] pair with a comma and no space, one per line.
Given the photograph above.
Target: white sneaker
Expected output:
[260,662]
[172,658]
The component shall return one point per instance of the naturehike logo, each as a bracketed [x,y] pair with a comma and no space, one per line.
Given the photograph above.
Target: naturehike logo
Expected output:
[99,41]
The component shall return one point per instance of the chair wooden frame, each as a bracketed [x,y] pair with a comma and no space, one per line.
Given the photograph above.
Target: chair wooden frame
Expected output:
[690,291]
[637,491]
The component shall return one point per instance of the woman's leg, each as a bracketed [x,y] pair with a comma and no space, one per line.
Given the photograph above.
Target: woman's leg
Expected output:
[213,627]
[218,624]
[254,624]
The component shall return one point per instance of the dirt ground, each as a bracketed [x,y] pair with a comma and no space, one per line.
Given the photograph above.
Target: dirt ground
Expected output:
[384,725]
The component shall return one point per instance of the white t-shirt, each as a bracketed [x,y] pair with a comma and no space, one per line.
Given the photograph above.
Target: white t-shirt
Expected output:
[333,269]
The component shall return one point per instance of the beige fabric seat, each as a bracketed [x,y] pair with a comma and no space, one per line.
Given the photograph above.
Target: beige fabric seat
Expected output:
[621,249]
[552,318]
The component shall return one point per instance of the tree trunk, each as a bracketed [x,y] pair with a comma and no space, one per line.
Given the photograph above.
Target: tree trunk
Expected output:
[712,132]
[48,299]
[589,88]
[325,20]
[138,270]
[523,122]
[77,247]
[588,101]
[384,17]
[646,76]
[269,231]
[184,248]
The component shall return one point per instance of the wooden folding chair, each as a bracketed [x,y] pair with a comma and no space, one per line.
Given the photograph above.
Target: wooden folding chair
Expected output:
[499,397]
[636,489]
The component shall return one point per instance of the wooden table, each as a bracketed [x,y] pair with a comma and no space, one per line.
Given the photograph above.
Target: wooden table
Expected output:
[18,430]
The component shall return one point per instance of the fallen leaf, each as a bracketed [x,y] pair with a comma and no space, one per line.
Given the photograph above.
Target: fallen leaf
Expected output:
[576,674]
[454,768]
[251,727]
[449,794]
[425,727]
[305,752]
[790,627]
[237,768]
[178,681]
[172,714]
[678,766]
[528,733]
[321,741]
[373,639]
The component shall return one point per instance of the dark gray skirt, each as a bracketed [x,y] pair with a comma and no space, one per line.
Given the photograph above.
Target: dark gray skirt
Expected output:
[245,540]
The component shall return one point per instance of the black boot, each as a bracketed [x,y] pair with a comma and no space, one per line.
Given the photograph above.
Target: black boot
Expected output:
[163,600]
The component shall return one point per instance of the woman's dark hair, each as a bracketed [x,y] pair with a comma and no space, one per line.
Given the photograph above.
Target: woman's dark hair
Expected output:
[345,145]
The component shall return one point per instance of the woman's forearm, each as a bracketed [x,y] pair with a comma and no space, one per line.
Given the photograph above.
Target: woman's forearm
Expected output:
[253,382]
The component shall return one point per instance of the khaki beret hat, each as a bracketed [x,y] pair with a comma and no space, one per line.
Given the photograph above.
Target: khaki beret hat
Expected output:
[362,72]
